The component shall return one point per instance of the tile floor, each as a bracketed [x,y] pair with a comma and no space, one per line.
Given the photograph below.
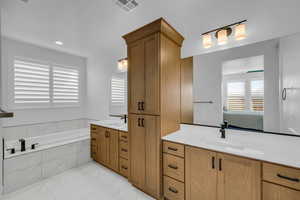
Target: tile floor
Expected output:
[87,182]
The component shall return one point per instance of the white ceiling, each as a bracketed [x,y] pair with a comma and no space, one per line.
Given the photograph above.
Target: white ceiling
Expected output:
[243,65]
[96,26]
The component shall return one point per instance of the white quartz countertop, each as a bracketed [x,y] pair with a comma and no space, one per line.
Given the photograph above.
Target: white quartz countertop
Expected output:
[113,124]
[284,150]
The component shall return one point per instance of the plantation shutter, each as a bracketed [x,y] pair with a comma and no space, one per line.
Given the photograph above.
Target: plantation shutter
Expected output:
[257,95]
[236,96]
[118,91]
[31,83]
[65,85]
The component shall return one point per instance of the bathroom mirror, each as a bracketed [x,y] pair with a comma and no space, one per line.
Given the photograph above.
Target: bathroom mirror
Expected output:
[253,87]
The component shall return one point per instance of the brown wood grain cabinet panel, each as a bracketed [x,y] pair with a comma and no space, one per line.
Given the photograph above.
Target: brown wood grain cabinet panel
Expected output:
[186,90]
[238,178]
[153,152]
[201,174]
[276,192]
[173,148]
[113,141]
[170,86]
[152,90]
[173,167]
[136,76]
[281,175]
[123,136]
[173,189]
[103,155]
[137,151]
[124,167]
[124,149]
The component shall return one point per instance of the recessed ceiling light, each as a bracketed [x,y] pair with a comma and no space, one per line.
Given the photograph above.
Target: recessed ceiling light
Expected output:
[59,43]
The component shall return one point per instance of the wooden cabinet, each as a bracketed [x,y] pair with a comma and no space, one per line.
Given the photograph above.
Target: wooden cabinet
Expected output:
[105,146]
[153,99]
[144,153]
[112,141]
[201,174]
[211,176]
[143,76]
[277,192]
[238,178]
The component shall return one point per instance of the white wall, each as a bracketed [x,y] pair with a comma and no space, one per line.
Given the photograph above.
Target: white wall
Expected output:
[208,82]
[11,48]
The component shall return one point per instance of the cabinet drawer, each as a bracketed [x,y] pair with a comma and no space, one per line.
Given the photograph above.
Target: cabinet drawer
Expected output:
[123,136]
[173,167]
[94,128]
[173,148]
[124,167]
[281,175]
[173,190]
[123,149]
[277,192]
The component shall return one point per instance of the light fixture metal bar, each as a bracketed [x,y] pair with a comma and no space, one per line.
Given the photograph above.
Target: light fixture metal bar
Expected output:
[214,30]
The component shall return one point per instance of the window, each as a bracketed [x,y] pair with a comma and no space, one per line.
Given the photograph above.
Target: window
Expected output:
[257,95]
[31,82]
[236,96]
[118,102]
[65,85]
[39,84]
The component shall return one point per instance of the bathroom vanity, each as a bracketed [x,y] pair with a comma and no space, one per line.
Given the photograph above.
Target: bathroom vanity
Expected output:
[246,165]
[109,145]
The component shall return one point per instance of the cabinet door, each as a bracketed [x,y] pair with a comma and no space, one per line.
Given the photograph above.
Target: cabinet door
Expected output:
[276,192]
[238,178]
[201,174]
[102,156]
[136,76]
[152,90]
[137,151]
[153,149]
[113,149]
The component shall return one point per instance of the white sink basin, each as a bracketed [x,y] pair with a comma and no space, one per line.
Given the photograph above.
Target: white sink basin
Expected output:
[233,147]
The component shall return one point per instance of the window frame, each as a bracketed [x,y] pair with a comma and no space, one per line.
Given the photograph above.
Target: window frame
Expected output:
[11,82]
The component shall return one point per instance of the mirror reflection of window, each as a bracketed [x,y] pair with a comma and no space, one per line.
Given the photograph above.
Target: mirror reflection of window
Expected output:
[243,92]
[118,97]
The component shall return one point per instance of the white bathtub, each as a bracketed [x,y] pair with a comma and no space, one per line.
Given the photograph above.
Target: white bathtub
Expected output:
[54,154]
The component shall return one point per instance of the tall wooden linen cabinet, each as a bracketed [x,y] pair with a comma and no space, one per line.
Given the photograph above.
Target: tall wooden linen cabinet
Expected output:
[153,99]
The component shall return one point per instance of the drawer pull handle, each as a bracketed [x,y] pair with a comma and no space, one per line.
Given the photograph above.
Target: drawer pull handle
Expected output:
[173,190]
[172,149]
[173,166]
[288,178]
[125,150]
[123,167]
[213,162]
[220,164]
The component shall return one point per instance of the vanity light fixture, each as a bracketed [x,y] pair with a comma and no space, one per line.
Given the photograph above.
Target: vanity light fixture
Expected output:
[207,41]
[60,43]
[223,33]
[123,65]
[240,31]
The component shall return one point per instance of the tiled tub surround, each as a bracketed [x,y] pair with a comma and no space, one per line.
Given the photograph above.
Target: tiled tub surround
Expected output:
[55,153]
[41,129]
